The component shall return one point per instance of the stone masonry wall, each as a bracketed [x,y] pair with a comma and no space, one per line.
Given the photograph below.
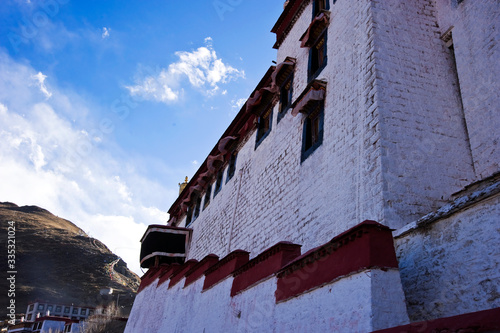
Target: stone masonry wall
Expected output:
[273,196]
[476,40]
[255,310]
[425,149]
[452,266]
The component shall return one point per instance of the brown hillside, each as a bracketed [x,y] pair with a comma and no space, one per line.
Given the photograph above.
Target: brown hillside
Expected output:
[57,262]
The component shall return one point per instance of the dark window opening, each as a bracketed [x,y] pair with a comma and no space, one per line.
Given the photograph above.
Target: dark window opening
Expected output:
[58,308]
[197,207]
[320,5]
[83,311]
[66,310]
[189,215]
[218,182]
[206,200]
[264,126]
[317,57]
[231,167]
[40,307]
[285,97]
[75,311]
[313,131]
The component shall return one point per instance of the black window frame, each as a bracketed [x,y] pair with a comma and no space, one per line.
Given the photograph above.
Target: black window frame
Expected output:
[309,145]
[314,67]
[264,125]
[66,308]
[231,167]
[218,181]
[286,94]
[197,207]
[317,8]
[189,215]
[206,199]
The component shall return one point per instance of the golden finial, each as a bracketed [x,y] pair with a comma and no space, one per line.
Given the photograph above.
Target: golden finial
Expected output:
[183,185]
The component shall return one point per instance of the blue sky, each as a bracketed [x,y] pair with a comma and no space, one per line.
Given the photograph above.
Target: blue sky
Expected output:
[105,106]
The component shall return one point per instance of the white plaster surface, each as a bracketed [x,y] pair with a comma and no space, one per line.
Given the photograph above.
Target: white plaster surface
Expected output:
[396,138]
[362,302]
[453,266]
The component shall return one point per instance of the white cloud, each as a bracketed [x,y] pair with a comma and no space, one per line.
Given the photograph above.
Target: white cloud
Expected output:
[40,81]
[238,103]
[105,32]
[54,162]
[201,67]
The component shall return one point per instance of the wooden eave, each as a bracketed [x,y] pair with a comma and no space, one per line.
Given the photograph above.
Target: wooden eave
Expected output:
[284,70]
[315,29]
[287,19]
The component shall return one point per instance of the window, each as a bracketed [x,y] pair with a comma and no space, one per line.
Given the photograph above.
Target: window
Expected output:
[66,309]
[312,136]
[197,207]
[206,201]
[58,308]
[91,312]
[40,307]
[320,5]
[264,126]
[189,215]
[49,308]
[231,167]
[75,311]
[83,311]
[285,96]
[218,182]
[317,57]
[29,317]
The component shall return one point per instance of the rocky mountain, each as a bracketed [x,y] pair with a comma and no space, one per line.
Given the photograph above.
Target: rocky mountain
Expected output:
[57,262]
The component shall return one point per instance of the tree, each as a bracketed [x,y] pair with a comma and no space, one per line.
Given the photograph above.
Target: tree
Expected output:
[106,319]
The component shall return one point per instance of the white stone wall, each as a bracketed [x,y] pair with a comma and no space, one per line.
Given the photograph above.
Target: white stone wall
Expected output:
[371,293]
[452,266]
[395,143]
[273,197]
[396,146]
[476,39]
[425,149]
